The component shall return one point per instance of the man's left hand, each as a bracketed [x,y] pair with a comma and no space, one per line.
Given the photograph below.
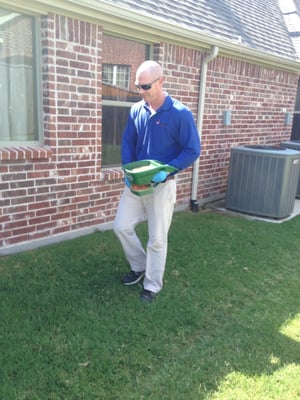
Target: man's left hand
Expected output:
[160,176]
[127,183]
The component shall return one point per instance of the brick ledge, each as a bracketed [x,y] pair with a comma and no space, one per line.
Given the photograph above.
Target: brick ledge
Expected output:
[111,174]
[25,153]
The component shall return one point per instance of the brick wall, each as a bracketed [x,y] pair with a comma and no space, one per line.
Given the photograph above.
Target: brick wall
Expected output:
[256,96]
[61,188]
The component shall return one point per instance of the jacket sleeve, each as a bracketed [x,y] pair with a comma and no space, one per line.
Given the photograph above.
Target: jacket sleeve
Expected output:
[129,139]
[189,141]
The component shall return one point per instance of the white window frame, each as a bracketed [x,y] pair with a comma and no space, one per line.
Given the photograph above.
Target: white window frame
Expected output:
[116,70]
[37,91]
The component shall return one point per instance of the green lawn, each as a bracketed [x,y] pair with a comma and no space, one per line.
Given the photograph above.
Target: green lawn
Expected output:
[225,327]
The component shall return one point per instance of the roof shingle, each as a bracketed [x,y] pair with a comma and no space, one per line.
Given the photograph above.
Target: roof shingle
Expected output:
[257,24]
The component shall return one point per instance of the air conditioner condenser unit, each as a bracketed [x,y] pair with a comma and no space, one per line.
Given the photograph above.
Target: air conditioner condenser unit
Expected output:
[262,180]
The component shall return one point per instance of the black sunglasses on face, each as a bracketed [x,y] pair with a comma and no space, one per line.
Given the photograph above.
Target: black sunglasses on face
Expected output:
[147,86]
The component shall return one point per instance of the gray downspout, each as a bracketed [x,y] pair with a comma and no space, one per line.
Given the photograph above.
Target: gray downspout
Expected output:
[214,52]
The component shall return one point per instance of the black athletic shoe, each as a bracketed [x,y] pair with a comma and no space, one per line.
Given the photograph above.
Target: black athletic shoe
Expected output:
[132,277]
[147,296]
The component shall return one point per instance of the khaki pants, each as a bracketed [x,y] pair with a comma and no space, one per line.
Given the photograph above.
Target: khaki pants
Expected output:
[157,208]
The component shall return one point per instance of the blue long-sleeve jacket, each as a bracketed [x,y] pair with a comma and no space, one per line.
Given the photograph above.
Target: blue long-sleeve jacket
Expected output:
[169,135]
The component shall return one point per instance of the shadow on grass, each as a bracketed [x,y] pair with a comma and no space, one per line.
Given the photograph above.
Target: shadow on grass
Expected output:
[70,330]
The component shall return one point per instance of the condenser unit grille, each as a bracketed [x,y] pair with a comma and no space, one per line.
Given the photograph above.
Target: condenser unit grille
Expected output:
[263,182]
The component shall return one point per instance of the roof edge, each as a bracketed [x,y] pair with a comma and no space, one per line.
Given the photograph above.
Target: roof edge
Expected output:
[121,21]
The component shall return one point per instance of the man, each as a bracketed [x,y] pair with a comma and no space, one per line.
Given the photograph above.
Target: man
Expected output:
[158,128]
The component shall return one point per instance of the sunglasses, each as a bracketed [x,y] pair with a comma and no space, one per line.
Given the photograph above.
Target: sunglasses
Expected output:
[147,86]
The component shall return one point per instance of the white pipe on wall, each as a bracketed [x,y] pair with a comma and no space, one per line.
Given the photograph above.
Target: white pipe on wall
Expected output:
[214,52]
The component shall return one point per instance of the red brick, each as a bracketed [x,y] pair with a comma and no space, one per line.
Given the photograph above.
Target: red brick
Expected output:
[56,189]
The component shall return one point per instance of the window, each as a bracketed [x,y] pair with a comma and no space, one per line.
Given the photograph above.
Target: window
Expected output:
[121,58]
[18,79]
[116,75]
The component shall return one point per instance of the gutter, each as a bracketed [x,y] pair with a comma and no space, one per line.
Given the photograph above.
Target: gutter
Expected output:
[213,54]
